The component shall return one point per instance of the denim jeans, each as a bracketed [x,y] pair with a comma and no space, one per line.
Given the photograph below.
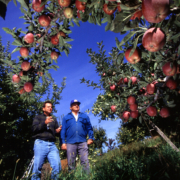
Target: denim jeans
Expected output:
[43,150]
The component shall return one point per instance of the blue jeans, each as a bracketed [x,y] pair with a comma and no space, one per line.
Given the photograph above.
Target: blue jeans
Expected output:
[43,150]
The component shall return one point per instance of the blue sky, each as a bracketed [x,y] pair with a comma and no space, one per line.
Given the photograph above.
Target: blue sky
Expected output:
[75,66]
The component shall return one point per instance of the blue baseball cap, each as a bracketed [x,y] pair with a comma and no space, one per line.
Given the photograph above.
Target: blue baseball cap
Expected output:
[74,101]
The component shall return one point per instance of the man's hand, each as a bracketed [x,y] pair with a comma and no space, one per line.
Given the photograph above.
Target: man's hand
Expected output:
[48,119]
[90,141]
[58,130]
[64,147]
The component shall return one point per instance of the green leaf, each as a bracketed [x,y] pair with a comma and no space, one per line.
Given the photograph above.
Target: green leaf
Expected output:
[16,49]
[129,83]
[68,40]
[104,20]
[155,65]
[76,22]
[140,119]
[134,45]
[136,68]
[175,36]
[71,24]
[120,58]
[17,43]
[108,26]
[98,21]
[90,19]
[7,30]
[23,4]
[109,18]
[179,49]
[61,41]
[31,27]
[126,38]
[15,2]
[123,7]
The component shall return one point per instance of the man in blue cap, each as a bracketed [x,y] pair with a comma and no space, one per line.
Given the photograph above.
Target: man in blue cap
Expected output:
[75,128]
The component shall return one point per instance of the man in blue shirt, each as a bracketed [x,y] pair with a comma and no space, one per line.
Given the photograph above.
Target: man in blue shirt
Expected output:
[75,128]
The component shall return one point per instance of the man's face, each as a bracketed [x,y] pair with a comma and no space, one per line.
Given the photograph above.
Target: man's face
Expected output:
[75,107]
[47,108]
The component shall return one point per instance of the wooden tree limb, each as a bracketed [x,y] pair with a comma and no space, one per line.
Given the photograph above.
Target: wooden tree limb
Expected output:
[163,136]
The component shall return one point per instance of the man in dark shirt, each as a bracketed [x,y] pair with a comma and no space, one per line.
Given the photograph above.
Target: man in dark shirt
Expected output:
[45,128]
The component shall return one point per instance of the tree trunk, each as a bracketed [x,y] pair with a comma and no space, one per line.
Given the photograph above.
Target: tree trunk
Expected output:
[163,136]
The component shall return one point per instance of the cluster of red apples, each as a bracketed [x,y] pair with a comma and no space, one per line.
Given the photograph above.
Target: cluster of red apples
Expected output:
[44,20]
[153,40]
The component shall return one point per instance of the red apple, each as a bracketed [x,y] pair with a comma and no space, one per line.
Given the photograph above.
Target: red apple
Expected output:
[44,20]
[155,11]
[134,58]
[134,79]
[68,13]
[104,74]
[21,91]
[24,51]
[126,116]
[28,87]
[126,80]
[151,111]
[54,55]
[134,114]
[38,36]
[171,84]
[78,15]
[64,3]
[133,107]
[16,78]
[107,10]
[36,5]
[54,40]
[150,88]
[121,81]
[25,65]
[61,33]
[164,112]
[50,16]
[131,100]
[29,38]
[142,90]
[40,73]
[119,7]
[112,87]
[168,71]
[153,39]
[137,14]
[80,5]
[113,108]
[21,73]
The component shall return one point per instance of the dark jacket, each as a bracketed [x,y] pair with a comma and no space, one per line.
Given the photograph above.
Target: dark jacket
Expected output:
[76,132]
[40,130]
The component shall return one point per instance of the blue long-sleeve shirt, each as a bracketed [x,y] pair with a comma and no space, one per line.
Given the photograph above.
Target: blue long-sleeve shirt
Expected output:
[76,131]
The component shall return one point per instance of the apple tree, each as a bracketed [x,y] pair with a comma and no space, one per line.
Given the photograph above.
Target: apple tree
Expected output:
[140,77]
[149,81]
[16,117]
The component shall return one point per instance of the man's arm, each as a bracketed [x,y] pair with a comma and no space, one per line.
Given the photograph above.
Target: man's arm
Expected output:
[90,131]
[57,128]
[63,134]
